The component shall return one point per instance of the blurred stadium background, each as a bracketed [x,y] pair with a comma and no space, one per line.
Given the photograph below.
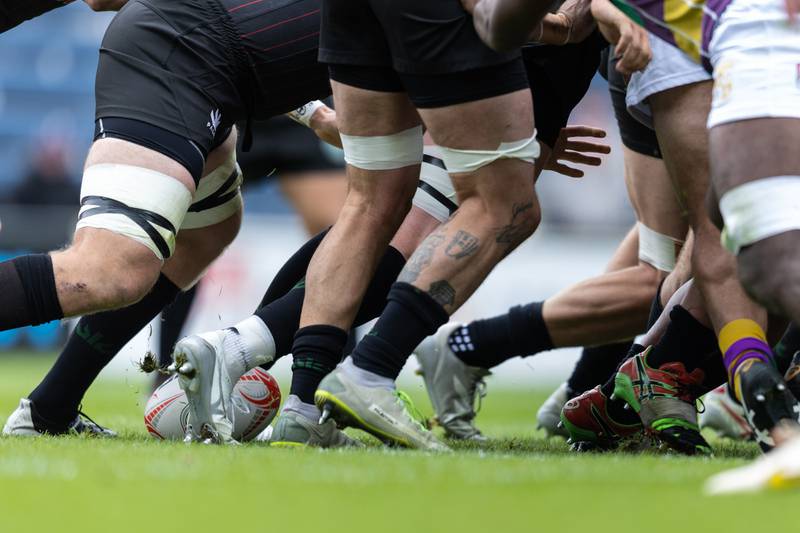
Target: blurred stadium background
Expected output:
[47,110]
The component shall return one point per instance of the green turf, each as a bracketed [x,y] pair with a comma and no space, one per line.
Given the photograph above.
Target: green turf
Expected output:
[520,483]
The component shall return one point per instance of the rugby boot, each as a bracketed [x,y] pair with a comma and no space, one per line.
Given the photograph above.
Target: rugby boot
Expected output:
[589,425]
[207,373]
[792,376]
[26,421]
[775,470]
[665,400]
[724,415]
[548,417]
[453,387]
[385,413]
[295,429]
[766,400]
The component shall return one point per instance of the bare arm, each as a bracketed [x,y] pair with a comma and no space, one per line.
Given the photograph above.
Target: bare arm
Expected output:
[631,43]
[506,24]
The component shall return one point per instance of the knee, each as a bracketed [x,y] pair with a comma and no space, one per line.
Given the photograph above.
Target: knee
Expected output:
[106,281]
[385,202]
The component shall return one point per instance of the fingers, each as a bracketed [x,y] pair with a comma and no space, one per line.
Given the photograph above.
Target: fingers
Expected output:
[587,147]
[580,158]
[566,171]
[583,131]
[632,49]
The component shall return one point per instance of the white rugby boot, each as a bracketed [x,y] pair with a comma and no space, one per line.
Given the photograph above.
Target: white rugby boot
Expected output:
[775,470]
[381,410]
[25,421]
[724,415]
[298,426]
[209,365]
[453,386]
[548,417]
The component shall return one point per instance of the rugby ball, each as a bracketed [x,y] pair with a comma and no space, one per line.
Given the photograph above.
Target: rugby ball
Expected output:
[256,398]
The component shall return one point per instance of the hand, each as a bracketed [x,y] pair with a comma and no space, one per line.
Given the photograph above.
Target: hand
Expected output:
[106,5]
[574,151]
[323,123]
[632,44]
[578,14]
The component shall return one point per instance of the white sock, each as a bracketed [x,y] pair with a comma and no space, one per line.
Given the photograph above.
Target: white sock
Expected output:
[306,410]
[365,377]
[254,341]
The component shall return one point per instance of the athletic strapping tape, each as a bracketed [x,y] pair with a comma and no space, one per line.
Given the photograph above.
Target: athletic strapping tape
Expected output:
[136,202]
[384,152]
[760,209]
[460,161]
[303,114]
[435,194]
[656,249]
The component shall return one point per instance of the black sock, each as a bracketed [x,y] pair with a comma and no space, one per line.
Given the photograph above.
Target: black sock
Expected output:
[28,288]
[293,271]
[173,318]
[282,316]
[595,365]
[685,341]
[656,308]
[316,351]
[489,342]
[616,408]
[95,341]
[410,316]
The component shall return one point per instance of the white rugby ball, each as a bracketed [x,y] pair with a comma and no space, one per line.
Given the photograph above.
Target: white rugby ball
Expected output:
[256,399]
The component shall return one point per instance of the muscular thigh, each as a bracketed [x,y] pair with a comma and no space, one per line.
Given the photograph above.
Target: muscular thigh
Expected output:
[679,117]
[653,195]
[753,149]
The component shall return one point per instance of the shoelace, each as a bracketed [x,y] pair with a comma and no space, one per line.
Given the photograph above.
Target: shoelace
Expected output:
[479,392]
[81,414]
[411,410]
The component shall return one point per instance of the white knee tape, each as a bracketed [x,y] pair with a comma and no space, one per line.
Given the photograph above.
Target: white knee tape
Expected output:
[461,161]
[140,203]
[218,196]
[385,152]
[659,250]
[760,209]
[435,194]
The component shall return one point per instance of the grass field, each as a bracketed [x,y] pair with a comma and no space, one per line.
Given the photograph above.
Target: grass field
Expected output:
[520,483]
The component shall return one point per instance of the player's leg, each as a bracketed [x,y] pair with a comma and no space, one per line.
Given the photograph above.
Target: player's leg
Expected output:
[103,268]
[452,261]
[756,111]
[278,316]
[98,337]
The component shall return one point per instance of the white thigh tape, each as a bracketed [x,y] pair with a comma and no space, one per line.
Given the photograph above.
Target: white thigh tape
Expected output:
[760,209]
[385,152]
[435,194]
[463,161]
[657,249]
[142,204]
[302,115]
[217,198]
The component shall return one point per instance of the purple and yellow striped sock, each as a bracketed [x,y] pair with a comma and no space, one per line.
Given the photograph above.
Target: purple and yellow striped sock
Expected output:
[742,341]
